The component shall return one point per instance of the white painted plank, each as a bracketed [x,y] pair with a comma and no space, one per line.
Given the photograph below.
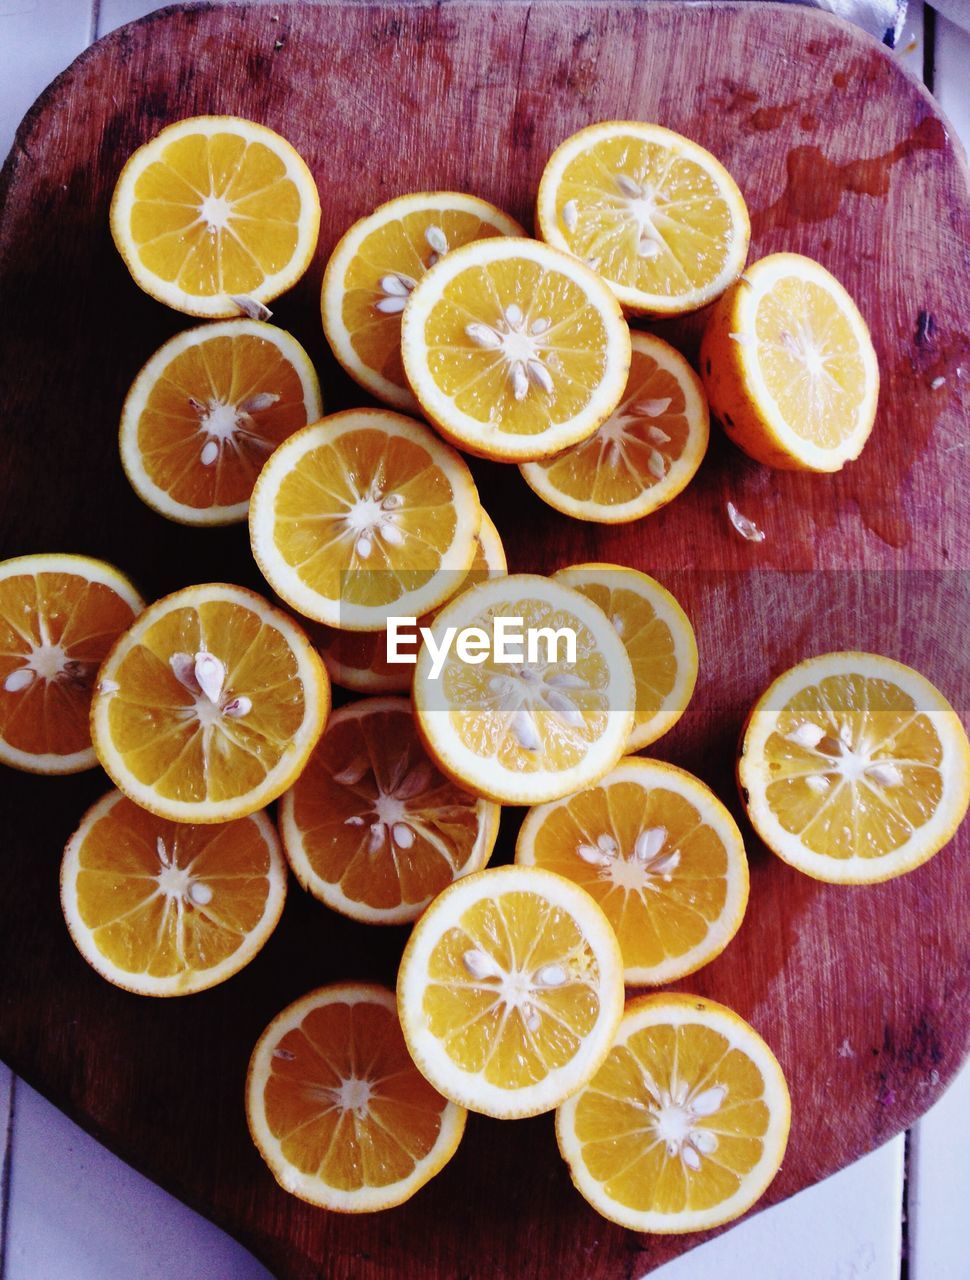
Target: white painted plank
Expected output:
[848,1227]
[952,75]
[78,1213]
[910,47]
[6,1103]
[939,1173]
[115,13]
[38,39]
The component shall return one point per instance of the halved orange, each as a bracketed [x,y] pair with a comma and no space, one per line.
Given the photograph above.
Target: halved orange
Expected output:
[59,616]
[337,1109]
[214,215]
[372,827]
[643,455]
[375,266]
[684,1125]
[206,412]
[658,217]
[661,855]
[364,515]
[358,659]
[208,707]
[164,908]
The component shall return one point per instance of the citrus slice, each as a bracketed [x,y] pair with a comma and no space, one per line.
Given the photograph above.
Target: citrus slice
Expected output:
[657,636]
[163,908]
[854,768]
[661,855]
[371,827]
[364,515]
[215,214]
[659,218]
[789,366]
[358,659]
[337,1108]
[375,266]
[521,726]
[207,410]
[686,1122]
[208,707]
[510,990]
[59,616]
[514,350]
[643,455]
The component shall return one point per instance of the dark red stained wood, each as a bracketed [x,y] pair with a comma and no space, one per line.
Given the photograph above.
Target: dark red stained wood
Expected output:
[863,993]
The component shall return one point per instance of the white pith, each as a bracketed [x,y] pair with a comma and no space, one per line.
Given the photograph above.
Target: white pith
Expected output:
[351,1095]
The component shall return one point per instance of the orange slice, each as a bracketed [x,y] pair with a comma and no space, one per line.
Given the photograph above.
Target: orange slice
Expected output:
[163,908]
[216,215]
[371,827]
[208,707]
[358,659]
[375,266]
[337,1108]
[854,768]
[364,515]
[643,455]
[207,410]
[658,638]
[510,990]
[59,616]
[661,855]
[790,368]
[659,218]
[514,350]
[684,1125]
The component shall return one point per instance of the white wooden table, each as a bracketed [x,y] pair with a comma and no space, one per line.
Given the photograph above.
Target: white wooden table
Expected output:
[69,1210]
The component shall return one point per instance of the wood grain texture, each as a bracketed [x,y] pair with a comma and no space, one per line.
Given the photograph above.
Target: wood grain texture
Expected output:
[863,994]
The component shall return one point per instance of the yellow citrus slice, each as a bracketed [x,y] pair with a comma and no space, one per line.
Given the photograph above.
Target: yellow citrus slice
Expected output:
[164,908]
[207,410]
[208,707]
[657,636]
[854,768]
[371,827]
[686,1122]
[358,659]
[364,515]
[661,855]
[214,215]
[541,701]
[59,616]
[337,1108]
[510,990]
[789,366]
[643,455]
[375,266]
[514,350]
[659,218]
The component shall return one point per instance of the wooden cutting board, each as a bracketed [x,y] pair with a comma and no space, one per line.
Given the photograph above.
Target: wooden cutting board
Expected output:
[863,993]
